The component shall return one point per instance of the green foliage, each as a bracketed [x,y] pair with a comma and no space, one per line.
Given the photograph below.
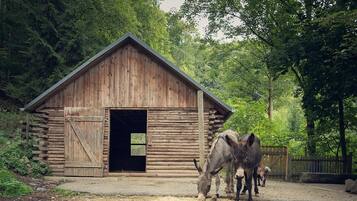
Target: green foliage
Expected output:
[316,41]
[48,39]
[10,123]
[65,193]
[15,156]
[10,186]
[16,153]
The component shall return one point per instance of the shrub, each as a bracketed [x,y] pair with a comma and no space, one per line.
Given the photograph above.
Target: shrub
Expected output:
[10,186]
[39,169]
[13,157]
[17,158]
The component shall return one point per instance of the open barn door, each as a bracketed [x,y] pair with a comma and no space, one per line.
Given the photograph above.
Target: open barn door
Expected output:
[83,141]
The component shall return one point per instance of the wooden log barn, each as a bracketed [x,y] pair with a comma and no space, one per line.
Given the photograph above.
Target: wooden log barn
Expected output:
[125,111]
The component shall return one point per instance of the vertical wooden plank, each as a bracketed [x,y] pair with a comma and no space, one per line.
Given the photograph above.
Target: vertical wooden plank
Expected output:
[201,134]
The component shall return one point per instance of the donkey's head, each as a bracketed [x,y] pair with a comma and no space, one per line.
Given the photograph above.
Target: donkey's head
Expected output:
[241,152]
[204,181]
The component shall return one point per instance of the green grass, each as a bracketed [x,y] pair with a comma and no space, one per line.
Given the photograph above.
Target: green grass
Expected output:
[65,193]
[10,186]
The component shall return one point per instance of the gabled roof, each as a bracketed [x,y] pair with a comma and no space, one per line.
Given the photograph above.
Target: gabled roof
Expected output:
[127,38]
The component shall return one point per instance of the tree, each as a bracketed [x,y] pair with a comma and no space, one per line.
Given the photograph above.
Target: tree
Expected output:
[292,30]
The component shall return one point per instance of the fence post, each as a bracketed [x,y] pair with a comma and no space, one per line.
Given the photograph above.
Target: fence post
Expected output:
[286,163]
[27,128]
[349,164]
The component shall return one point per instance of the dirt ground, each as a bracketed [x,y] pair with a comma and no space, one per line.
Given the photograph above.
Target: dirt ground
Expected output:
[176,189]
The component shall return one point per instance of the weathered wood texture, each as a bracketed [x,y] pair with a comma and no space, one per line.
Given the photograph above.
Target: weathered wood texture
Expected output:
[83,141]
[173,142]
[215,124]
[36,128]
[106,141]
[276,157]
[55,140]
[126,78]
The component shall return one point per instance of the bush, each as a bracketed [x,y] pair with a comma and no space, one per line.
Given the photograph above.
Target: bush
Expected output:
[39,169]
[16,157]
[10,186]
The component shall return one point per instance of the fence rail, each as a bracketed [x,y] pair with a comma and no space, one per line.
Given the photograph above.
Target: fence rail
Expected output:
[286,167]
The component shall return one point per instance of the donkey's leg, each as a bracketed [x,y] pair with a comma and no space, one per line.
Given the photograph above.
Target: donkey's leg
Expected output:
[239,187]
[218,184]
[229,179]
[245,184]
[263,182]
[255,177]
[249,185]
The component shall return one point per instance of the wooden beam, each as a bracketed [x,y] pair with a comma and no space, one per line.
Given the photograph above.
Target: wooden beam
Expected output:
[201,133]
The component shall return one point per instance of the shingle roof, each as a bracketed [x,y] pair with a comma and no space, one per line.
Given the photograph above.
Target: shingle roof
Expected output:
[127,38]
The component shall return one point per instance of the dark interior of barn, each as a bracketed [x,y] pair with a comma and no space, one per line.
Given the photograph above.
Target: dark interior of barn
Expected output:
[127,140]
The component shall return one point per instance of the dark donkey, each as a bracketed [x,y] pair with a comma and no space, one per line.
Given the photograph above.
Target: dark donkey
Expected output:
[247,156]
[220,155]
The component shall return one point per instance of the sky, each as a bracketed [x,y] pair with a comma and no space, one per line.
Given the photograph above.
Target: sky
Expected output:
[202,22]
[168,5]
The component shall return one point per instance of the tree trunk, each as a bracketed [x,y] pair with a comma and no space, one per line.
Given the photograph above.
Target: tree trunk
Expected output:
[342,133]
[310,128]
[270,98]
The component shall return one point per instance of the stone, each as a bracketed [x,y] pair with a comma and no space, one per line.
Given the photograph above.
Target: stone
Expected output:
[348,185]
[354,187]
[41,189]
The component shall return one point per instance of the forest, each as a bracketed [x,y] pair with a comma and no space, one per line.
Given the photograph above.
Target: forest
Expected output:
[287,68]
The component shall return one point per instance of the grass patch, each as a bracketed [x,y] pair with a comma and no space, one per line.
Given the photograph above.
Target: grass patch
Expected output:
[10,186]
[66,193]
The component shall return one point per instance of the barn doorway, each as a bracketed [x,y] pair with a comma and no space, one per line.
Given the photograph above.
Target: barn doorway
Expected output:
[127,140]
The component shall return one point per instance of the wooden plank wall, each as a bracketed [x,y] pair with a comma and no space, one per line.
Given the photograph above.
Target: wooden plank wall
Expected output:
[127,78]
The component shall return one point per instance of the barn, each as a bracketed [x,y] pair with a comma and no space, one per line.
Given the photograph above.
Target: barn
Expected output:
[125,111]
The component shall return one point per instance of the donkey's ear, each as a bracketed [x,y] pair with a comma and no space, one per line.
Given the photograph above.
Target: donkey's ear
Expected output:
[214,172]
[251,139]
[199,169]
[230,142]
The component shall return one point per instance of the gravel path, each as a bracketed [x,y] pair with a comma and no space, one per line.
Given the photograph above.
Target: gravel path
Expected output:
[183,189]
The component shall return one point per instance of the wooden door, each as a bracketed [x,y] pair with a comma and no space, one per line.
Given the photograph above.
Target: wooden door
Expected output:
[83,141]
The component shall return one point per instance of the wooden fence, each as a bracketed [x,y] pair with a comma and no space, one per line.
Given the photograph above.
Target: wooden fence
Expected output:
[286,167]
[319,164]
[276,158]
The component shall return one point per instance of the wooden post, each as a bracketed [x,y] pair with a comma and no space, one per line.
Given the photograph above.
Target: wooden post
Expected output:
[286,164]
[27,128]
[201,134]
[349,164]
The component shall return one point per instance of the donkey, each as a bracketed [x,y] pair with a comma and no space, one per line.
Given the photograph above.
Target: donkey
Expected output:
[219,156]
[247,156]
[263,172]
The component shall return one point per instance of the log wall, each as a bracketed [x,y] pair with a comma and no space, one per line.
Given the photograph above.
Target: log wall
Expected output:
[55,139]
[172,136]
[173,142]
